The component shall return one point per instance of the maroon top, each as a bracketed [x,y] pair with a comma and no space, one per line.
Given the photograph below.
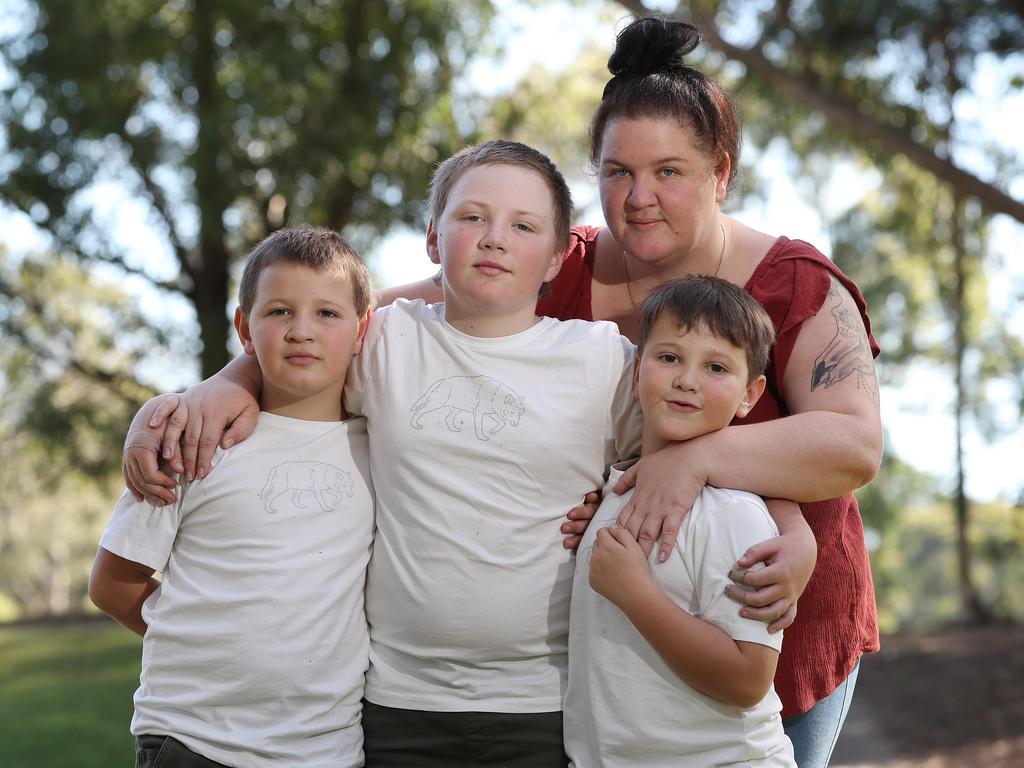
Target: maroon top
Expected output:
[836,621]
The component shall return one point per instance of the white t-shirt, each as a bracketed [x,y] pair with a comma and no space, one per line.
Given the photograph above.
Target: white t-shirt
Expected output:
[479,447]
[257,642]
[624,706]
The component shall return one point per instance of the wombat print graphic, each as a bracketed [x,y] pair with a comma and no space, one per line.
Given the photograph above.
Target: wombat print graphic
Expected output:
[301,484]
[491,404]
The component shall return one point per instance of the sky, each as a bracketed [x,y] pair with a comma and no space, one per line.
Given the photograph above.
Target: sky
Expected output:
[918,415]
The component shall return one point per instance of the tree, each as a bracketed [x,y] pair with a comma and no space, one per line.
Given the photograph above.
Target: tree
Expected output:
[70,350]
[228,120]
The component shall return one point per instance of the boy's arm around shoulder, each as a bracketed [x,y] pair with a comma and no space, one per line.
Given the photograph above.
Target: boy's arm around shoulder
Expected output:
[119,587]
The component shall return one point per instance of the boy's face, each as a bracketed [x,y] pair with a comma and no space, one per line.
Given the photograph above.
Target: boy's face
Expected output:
[496,242]
[690,383]
[304,330]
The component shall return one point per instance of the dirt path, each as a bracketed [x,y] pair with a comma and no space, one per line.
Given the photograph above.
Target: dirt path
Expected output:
[950,699]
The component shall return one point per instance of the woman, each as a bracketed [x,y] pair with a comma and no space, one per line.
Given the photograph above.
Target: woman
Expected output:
[665,141]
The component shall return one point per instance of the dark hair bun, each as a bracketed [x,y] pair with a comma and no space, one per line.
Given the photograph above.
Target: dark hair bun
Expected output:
[651,45]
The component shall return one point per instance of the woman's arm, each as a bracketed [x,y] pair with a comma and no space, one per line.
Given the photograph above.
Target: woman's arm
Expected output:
[830,445]
[699,653]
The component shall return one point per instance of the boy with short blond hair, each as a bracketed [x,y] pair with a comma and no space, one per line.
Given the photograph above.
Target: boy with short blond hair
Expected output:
[662,669]
[255,640]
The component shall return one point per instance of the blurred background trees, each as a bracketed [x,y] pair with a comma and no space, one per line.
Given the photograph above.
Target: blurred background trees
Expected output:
[148,145]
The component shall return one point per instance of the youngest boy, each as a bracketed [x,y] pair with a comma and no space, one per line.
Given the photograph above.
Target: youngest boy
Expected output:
[255,639]
[662,670]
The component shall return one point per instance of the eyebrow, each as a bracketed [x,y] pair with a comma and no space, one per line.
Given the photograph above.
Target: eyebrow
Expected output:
[659,161]
[520,212]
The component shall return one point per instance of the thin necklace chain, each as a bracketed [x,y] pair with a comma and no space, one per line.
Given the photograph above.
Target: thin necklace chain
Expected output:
[629,280]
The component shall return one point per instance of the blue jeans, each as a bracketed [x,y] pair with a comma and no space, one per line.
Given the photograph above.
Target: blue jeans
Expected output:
[815,732]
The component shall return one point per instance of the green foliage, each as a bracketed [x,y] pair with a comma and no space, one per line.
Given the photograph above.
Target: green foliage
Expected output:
[71,345]
[915,567]
[66,695]
[227,121]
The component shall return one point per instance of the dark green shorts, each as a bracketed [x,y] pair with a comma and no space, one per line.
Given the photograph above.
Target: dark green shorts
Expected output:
[410,738]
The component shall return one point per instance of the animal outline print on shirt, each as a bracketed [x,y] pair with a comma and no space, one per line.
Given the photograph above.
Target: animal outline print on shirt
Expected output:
[480,396]
[323,483]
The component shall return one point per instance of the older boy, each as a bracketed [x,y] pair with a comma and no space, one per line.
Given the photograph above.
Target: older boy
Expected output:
[255,639]
[662,669]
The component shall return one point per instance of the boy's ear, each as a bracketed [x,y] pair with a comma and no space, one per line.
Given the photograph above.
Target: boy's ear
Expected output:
[242,329]
[361,332]
[555,266]
[432,236]
[751,395]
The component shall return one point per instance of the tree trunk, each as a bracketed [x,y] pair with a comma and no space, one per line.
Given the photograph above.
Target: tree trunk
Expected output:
[210,271]
[972,607]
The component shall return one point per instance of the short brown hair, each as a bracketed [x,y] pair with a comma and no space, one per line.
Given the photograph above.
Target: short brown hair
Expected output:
[314,247]
[501,152]
[717,306]
[649,79]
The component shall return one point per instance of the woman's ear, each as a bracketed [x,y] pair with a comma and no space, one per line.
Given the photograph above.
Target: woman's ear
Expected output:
[722,178]
[242,329]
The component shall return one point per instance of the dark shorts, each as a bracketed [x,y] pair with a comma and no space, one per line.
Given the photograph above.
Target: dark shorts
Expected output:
[164,752]
[410,738]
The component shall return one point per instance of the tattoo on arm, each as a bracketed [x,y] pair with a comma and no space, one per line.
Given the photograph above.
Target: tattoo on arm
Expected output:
[848,354]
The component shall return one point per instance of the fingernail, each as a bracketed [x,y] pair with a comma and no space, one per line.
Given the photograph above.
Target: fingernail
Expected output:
[189,477]
[745,614]
[167,452]
[202,472]
[228,442]
[152,421]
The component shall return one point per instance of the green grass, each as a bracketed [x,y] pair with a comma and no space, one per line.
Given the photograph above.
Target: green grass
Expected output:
[66,695]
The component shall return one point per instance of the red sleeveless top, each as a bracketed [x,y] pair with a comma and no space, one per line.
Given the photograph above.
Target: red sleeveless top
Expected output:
[836,621]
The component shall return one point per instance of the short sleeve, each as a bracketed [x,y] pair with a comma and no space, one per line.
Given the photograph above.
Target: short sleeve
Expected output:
[363,363]
[792,283]
[140,532]
[627,418]
[713,540]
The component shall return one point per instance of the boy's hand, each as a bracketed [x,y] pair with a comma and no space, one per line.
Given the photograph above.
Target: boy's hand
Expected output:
[618,566]
[579,519]
[214,412]
[789,562]
[140,462]
[667,483]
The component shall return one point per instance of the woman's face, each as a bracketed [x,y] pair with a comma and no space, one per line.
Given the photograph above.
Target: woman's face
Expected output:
[660,193]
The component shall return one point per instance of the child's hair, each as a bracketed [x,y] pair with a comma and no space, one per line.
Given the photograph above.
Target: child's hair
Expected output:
[501,152]
[650,79]
[314,247]
[717,307]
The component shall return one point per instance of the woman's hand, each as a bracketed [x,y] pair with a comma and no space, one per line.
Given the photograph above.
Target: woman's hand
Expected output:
[770,594]
[140,462]
[579,519]
[667,483]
